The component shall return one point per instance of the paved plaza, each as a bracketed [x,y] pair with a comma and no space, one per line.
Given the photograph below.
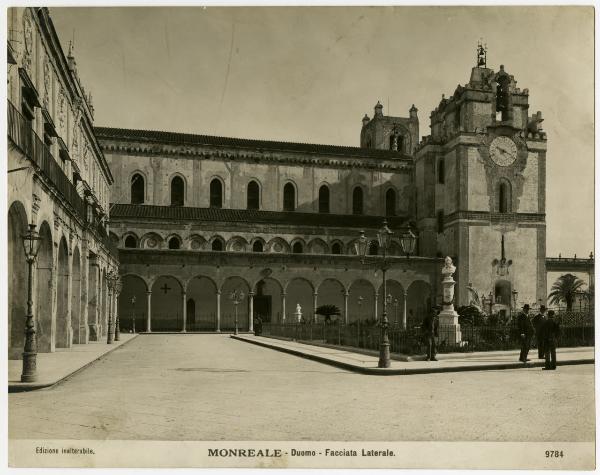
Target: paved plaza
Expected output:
[212,387]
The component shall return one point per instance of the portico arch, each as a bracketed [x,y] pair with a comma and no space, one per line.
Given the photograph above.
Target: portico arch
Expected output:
[418,302]
[167,304]
[362,301]
[133,314]
[201,301]
[78,330]
[44,288]
[299,291]
[268,300]
[331,292]
[395,301]
[228,308]
[17,281]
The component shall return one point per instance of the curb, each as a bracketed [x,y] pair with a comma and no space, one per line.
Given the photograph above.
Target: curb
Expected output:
[408,371]
[23,387]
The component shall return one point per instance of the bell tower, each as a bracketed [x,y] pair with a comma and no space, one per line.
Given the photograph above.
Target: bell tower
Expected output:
[481,186]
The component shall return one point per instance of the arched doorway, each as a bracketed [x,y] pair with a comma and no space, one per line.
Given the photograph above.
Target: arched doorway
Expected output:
[418,302]
[331,292]
[267,300]
[77,325]
[395,302]
[167,304]
[133,304]
[228,307]
[361,301]
[202,291]
[299,291]
[17,281]
[44,287]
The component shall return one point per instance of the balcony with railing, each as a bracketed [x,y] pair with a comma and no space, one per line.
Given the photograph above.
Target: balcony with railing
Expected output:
[22,135]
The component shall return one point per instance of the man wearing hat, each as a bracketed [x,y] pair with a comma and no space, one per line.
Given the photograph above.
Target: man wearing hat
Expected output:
[429,328]
[538,324]
[550,335]
[526,330]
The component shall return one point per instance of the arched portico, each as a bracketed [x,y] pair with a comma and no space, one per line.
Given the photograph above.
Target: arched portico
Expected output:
[230,285]
[201,302]
[299,291]
[133,304]
[395,301]
[332,292]
[44,288]
[362,302]
[78,329]
[268,294]
[167,304]
[418,302]
[17,281]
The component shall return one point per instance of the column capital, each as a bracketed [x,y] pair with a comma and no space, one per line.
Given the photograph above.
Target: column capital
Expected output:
[346,293]
[251,294]
[405,293]
[315,293]
[283,294]
[218,292]
[148,292]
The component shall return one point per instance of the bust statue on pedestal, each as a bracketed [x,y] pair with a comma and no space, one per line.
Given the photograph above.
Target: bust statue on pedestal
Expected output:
[449,328]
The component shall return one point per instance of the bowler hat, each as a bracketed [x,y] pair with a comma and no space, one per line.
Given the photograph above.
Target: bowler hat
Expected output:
[526,306]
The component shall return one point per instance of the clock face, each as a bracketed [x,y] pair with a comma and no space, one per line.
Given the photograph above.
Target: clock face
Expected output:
[503,151]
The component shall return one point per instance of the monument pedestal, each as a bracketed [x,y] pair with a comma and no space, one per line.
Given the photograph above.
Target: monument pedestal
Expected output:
[449,328]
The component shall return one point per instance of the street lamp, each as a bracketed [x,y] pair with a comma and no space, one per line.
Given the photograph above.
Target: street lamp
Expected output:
[396,312]
[384,237]
[236,297]
[31,245]
[110,282]
[133,314]
[408,242]
[360,302]
[117,291]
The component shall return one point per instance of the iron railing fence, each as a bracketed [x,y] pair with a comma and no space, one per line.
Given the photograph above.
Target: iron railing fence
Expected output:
[411,341]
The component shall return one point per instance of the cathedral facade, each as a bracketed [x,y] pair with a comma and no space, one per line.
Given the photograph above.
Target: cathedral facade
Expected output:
[198,219]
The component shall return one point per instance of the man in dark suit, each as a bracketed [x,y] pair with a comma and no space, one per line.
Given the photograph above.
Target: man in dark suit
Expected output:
[430,329]
[538,324]
[550,335]
[526,332]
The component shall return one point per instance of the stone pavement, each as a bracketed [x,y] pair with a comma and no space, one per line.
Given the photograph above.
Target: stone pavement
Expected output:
[365,362]
[188,387]
[64,362]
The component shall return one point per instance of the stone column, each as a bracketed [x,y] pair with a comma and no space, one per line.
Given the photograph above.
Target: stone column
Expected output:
[283,307]
[315,297]
[251,311]
[404,310]
[183,295]
[346,316]
[376,297]
[149,320]
[93,300]
[449,328]
[218,310]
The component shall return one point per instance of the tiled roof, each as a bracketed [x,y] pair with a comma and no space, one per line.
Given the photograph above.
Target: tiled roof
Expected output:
[184,213]
[109,133]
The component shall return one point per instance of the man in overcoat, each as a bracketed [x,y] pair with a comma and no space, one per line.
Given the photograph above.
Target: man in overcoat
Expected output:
[538,324]
[430,330]
[526,332]
[550,334]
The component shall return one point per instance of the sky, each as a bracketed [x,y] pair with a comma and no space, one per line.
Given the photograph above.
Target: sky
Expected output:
[309,74]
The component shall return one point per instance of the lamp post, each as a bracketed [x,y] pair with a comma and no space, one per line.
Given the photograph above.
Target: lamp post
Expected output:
[117,290]
[360,302]
[395,311]
[384,237]
[389,300]
[133,314]
[110,284]
[31,245]
[236,297]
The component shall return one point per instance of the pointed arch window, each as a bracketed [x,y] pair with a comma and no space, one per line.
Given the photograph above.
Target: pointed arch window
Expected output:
[289,197]
[216,193]
[217,245]
[336,248]
[253,195]
[177,191]
[504,197]
[174,243]
[324,199]
[257,246]
[137,189]
[357,200]
[390,202]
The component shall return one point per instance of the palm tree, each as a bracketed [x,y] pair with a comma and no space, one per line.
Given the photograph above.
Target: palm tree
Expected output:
[564,290]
